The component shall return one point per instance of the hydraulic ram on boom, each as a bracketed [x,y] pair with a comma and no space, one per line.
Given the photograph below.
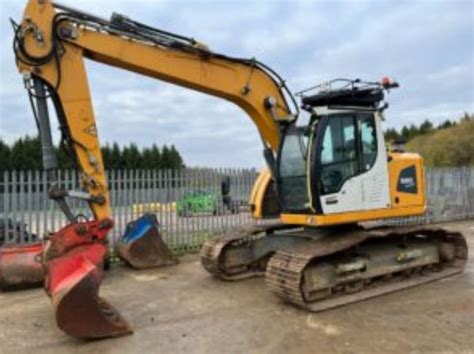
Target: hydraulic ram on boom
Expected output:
[50,45]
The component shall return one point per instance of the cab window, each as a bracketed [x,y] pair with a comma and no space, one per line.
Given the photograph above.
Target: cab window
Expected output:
[292,171]
[349,148]
[338,153]
[368,142]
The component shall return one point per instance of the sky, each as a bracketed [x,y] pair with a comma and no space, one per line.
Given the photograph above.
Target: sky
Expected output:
[428,46]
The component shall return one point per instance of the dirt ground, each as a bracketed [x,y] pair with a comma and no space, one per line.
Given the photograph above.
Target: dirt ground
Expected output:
[181,309]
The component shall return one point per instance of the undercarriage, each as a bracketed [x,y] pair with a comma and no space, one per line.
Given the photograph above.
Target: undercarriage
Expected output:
[318,269]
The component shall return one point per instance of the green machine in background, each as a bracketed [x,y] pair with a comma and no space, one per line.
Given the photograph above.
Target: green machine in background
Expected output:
[205,201]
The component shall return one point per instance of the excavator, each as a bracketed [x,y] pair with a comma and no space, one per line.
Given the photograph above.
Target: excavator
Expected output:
[323,179]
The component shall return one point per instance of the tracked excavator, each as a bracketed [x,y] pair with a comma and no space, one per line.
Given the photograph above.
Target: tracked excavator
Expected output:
[323,178]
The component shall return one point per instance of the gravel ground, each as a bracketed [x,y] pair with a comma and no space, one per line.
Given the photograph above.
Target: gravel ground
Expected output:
[181,309]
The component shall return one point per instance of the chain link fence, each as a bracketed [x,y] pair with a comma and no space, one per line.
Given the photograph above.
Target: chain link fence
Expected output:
[188,203]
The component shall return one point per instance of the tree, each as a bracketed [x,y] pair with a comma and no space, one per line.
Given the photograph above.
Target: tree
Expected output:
[446,124]
[18,155]
[106,156]
[5,162]
[405,132]
[467,117]
[166,159]
[155,162]
[147,158]
[131,158]
[176,160]
[425,127]
[26,154]
[115,157]
[391,135]
[33,155]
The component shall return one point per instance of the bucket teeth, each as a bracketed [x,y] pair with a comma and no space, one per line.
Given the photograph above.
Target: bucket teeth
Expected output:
[142,246]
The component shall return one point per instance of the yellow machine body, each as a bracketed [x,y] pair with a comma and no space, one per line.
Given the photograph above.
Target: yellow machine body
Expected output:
[245,85]
[263,201]
[304,260]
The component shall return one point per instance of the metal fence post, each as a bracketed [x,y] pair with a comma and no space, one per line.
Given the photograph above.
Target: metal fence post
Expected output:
[24,200]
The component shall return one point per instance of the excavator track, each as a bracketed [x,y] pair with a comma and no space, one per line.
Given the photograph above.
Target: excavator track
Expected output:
[212,252]
[339,269]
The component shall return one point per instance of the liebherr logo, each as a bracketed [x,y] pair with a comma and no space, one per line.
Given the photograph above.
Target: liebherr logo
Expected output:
[407,181]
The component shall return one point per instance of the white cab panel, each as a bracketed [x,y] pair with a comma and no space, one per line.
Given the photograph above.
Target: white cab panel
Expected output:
[366,191]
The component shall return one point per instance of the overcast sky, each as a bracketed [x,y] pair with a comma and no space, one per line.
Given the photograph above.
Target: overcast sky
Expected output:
[428,46]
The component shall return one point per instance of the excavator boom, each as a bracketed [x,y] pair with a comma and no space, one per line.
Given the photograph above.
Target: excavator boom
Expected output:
[51,44]
[323,178]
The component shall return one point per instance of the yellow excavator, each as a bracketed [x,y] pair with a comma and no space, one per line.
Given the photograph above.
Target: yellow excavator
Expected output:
[322,179]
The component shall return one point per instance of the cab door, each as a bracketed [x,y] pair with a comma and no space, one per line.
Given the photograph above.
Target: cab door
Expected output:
[350,169]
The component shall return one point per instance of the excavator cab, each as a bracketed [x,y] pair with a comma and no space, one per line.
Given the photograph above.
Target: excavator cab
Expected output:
[338,146]
[330,166]
[332,172]
[319,160]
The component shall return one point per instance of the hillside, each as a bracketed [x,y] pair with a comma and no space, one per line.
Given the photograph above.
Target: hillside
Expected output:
[452,146]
